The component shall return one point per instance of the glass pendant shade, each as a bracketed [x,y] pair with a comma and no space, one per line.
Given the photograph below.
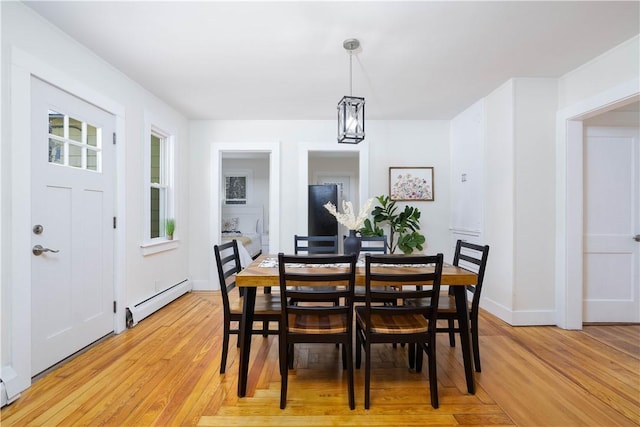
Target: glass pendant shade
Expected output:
[350,120]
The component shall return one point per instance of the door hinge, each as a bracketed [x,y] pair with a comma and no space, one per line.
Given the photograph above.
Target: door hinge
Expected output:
[114,222]
[114,306]
[114,138]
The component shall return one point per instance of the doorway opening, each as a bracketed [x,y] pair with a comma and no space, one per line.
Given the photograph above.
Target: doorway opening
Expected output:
[339,168]
[570,244]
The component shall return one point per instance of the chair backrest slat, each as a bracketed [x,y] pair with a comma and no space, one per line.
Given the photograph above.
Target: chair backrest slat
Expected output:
[316,244]
[374,244]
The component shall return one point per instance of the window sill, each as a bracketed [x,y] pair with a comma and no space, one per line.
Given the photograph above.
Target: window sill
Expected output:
[156,246]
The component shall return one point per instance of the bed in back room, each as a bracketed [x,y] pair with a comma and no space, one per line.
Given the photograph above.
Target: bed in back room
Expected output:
[243,223]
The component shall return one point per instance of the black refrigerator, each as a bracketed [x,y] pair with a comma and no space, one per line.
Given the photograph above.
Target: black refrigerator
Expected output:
[321,222]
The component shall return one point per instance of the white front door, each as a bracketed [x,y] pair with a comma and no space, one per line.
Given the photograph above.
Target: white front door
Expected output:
[611,222]
[72,206]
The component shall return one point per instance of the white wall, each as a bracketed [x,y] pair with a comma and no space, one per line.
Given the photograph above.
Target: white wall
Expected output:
[535,104]
[467,172]
[499,203]
[515,125]
[416,143]
[390,143]
[31,45]
[614,67]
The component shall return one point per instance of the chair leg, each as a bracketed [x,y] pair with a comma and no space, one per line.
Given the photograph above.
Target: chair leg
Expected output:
[419,357]
[265,328]
[349,346]
[290,356]
[411,351]
[367,375]
[284,372]
[476,344]
[225,347]
[283,390]
[344,356]
[358,348]
[433,375]
[452,335]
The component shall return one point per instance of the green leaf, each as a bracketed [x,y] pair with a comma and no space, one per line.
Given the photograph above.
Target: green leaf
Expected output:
[402,225]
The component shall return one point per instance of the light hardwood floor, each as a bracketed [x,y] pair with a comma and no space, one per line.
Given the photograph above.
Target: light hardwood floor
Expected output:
[164,372]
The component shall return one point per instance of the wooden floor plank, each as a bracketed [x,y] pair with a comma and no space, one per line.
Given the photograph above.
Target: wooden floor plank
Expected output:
[164,371]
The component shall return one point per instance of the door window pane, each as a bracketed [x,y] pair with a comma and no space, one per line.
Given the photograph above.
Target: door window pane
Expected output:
[56,151]
[75,156]
[92,160]
[56,123]
[75,129]
[74,143]
[92,136]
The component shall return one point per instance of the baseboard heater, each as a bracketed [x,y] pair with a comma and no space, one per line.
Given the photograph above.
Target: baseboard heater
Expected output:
[139,311]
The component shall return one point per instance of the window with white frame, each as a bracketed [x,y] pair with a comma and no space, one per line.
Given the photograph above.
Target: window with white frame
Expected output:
[160,200]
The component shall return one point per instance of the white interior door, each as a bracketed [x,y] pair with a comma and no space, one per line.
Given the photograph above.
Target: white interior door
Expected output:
[72,205]
[611,222]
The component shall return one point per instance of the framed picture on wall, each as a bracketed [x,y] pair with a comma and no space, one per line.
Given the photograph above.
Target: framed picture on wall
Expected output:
[235,189]
[411,184]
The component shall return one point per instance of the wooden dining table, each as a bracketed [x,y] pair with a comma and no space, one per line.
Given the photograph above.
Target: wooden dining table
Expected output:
[263,272]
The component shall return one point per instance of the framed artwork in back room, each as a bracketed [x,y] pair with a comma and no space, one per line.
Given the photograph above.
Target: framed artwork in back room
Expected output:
[411,184]
[235,190]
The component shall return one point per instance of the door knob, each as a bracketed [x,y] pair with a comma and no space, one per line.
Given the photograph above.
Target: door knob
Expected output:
[38,250]
[637,238]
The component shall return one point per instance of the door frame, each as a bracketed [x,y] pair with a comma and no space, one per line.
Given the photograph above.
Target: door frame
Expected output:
[569,196]
[215,207]
[16,372]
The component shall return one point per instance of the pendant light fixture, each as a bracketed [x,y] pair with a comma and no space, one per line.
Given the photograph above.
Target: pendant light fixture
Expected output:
[350,108]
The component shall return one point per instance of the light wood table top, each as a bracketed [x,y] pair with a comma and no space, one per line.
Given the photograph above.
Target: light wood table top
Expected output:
[255,275]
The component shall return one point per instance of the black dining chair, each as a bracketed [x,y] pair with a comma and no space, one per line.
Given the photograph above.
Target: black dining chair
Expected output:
[312,320]
[388,276]
[371,245]
[471,257]
[267,306]
[315,244]
[374,244]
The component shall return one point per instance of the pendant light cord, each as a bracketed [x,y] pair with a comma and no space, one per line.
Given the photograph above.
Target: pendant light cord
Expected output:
[350,73]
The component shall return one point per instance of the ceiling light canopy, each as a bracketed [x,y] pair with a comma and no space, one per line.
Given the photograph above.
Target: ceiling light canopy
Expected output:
[351,108]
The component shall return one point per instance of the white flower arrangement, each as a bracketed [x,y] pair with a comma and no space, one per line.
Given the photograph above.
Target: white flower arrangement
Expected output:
[348,217]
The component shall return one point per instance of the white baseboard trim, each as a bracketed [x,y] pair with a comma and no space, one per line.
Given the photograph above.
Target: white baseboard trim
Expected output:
[203,285]
[8,377]
[137,312]
[519,318]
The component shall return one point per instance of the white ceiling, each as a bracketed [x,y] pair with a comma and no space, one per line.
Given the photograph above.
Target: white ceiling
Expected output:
[285,60]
